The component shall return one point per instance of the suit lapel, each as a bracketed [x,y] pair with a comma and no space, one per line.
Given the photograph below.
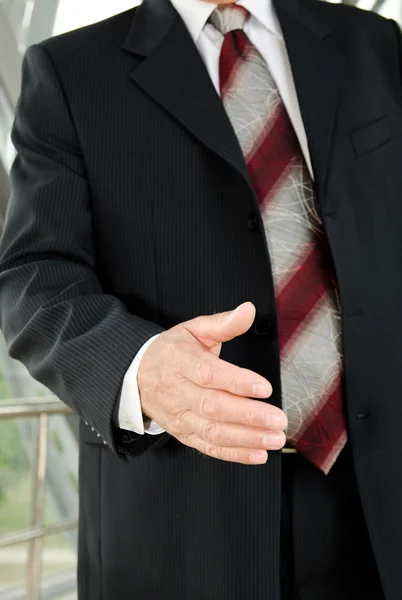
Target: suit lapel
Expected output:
[174,75]
[317,66]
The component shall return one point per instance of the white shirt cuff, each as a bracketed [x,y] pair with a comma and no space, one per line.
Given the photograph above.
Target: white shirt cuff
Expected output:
[130,411]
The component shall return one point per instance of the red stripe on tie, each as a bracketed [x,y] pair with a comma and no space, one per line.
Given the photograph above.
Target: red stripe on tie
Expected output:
[300,296]
[324,431]
[273,154]
[235,49]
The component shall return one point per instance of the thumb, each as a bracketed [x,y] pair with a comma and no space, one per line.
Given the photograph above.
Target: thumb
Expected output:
[214,329]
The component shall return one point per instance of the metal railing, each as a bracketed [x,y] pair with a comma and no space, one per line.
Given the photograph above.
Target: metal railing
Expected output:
[39,408]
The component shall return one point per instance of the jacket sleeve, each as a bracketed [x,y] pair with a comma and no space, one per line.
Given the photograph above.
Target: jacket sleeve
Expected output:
[72,337]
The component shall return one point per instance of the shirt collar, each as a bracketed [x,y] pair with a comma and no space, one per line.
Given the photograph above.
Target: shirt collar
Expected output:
[195,14]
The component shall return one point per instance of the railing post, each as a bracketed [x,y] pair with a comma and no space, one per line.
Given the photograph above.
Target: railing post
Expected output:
[38,507]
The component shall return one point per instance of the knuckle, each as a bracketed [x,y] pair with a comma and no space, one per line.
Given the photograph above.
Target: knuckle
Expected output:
[172,405]
[212,450]
[189,439]
[256,442]
[225,454]
[234,455]
[205,373]
[207,405]
[209,431]
[249,415]
[237,456]
[247,459]
[234,385]
[216,404]
[174,427]
[176,424]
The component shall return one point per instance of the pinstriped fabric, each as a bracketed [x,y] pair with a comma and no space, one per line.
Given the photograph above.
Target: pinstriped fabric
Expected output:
[307,306]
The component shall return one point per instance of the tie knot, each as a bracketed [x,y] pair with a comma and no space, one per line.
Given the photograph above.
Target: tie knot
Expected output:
[228,17]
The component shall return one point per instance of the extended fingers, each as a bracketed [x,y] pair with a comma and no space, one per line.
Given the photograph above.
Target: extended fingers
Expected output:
[217,405]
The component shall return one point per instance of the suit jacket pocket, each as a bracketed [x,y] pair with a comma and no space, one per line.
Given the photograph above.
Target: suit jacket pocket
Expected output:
[371,136]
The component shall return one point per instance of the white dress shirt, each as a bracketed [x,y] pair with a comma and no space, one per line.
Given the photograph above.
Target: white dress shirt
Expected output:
[264,31]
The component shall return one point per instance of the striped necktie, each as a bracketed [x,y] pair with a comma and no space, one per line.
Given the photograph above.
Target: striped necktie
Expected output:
[308,313]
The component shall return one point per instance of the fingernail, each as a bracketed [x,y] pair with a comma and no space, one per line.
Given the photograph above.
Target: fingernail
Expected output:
[261,389]
[258,457]
[273,440]
[276,421]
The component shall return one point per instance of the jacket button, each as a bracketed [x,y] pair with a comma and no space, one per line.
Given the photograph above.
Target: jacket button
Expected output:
[252,221]
[261,326]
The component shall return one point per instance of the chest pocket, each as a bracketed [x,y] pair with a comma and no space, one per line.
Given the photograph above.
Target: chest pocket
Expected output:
[372,136]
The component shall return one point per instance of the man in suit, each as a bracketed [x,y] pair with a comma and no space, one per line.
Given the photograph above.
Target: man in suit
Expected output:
[175,162]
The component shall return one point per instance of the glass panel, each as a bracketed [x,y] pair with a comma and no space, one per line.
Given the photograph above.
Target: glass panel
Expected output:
[76,13]
[13,562]
[6,119]
[17,12]
[3,386]
[62,474]
[15,478]
[58,557]
[392,9]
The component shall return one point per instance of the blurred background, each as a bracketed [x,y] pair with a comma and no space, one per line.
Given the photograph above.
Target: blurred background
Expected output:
[38,435]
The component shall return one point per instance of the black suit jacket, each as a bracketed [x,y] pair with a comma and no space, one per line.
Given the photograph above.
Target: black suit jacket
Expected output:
[132,211]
